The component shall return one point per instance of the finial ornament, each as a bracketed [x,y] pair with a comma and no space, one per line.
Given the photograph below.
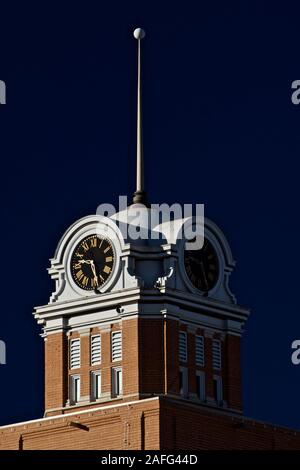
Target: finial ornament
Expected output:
[139,33]
[139,196]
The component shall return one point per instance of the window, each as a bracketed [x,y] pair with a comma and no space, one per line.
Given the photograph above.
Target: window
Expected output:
[95,350]
[75,353]
[95,385]
[116,386]
[182,346]
[216,354]
[183,381]
[199,351]
[218,392]
[200,377]
[116,346]
[74,389]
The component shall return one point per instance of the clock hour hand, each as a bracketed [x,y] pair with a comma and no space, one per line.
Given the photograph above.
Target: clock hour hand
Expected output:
[93,268]
[86,261]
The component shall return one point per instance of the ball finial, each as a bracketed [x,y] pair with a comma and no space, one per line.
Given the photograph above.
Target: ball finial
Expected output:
[139,33]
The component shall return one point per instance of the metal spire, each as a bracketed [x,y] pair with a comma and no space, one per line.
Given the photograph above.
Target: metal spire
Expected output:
[139,195]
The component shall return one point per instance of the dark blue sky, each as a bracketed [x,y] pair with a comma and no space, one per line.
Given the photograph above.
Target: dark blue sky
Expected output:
[219,129]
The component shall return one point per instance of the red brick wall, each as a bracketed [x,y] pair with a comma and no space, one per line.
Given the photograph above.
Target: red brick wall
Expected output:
[232,381]
[159,423]
[131,427]
[130,359]
[193,427]
[151,364]
[172,327]
[56,365]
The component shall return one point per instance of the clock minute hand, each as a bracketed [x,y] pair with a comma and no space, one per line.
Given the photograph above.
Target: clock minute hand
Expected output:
[195,260]
[203,274]
[93,269]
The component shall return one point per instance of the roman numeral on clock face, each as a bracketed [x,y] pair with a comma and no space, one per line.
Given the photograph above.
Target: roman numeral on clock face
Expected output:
[93,242]
[79,275]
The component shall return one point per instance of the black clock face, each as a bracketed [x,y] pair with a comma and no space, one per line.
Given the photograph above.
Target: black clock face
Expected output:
[202,266]
[92,262]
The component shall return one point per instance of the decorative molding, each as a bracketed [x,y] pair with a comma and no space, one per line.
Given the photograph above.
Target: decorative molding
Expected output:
[84,332]
[209,333]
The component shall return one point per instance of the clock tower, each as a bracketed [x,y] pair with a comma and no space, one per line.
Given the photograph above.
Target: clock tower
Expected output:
[133,318]
[142,336]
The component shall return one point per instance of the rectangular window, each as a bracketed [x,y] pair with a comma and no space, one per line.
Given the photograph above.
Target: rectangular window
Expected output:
[218,389]
[182,346]
[75,353]
[116,386]
[201,393]
[74,389]
[183,382]
[95,350]
[216,354]
[95,385]
[116,346]
[199,340]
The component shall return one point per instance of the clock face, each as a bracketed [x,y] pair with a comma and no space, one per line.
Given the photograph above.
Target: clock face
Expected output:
[92,262]
[202,267]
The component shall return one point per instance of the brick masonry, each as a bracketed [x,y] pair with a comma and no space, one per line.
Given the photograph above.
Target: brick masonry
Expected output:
[151,413]
[158,423]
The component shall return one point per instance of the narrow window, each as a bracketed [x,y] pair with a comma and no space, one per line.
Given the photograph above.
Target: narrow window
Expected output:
[74,389]
[95,385]
[183,381]
[182,346]
[216,354]
[199,351]
[116,346]
[201,385]
[75,353]
[95,350]
[117,387]
[218,392]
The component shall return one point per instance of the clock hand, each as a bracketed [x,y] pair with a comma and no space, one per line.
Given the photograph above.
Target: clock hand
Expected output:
[195,260]
[94,272]
[86,261]
[203,274]
[93,268]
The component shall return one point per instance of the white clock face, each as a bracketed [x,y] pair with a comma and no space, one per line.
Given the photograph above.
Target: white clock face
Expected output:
[92,262]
